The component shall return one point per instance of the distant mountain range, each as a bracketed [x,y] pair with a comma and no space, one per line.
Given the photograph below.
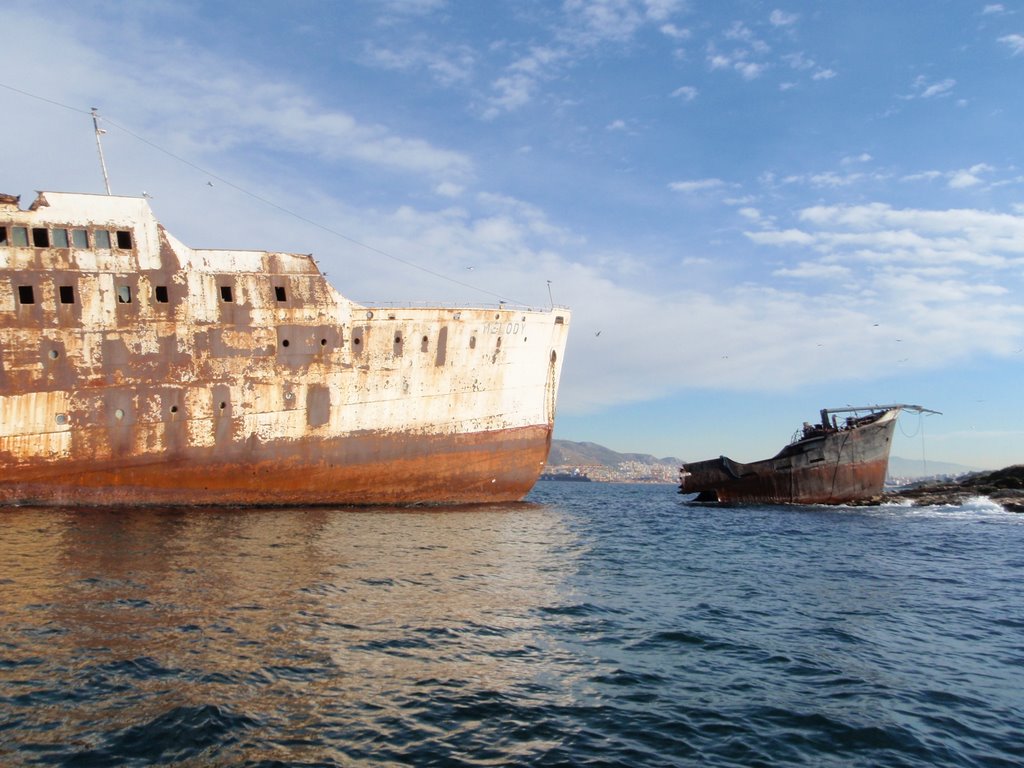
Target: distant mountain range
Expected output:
[566,452]
[595,460]
[900,467]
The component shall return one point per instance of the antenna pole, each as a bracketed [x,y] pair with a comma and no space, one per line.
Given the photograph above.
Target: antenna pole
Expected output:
[99,132]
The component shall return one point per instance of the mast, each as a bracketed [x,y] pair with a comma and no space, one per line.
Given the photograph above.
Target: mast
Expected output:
[103,163]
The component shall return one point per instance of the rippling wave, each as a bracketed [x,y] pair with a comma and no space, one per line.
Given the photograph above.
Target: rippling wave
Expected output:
[594,625]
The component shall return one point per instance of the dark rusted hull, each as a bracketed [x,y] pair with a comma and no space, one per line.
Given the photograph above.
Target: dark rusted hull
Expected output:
[834,468]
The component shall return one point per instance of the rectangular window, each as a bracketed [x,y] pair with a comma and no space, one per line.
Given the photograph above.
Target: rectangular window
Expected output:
[3,235]
[279,292]
[79,238]
[160,294]
[40,237]
[60,238]
[124,239]
[20,235]
[124,294]
[26,295]
[102,238]
[225,293]
[67,294]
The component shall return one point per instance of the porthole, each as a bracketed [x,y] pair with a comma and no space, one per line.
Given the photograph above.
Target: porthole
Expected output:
[118,414]
[369,315]
[61,419]
[357,341]
[174,409]
[285,342]
[323,342]
[223,405]
[54,354]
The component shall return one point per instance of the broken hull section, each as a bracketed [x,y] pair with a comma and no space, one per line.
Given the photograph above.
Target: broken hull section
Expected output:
[837,467]
[135,370]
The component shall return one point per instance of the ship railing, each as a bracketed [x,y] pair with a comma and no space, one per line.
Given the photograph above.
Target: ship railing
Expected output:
[457,305]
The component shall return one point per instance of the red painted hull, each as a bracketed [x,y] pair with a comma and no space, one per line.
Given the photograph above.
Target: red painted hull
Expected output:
[355,470]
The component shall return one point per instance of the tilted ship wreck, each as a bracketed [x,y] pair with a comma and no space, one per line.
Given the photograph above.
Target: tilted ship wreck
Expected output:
[826,463]
[136,370]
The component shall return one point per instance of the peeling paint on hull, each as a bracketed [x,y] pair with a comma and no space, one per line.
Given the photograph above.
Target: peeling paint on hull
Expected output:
[135,370]
[837,467]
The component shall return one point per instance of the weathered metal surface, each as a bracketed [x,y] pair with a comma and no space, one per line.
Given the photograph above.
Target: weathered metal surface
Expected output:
[143,371]
[829,465]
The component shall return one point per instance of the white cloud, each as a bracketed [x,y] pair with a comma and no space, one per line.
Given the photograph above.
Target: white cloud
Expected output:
[718,61]
[784,237]
[604,20]
[863,157]
[676,33]
[1015,43]
[448,189]
[413,7]
[969,177]
[659,10]
[512,92]
[814,271]
[699,185]
[782,19]
[798,61]
[823,74]
[923,176]
[750,70]
[828,179]
[992,8]
[937,89]
[739,31]
[448,67]
[908,268]
[685,92]
[923,89]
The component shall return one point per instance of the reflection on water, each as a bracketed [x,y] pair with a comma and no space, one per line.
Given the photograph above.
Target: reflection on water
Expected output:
[297,619]
[606,625]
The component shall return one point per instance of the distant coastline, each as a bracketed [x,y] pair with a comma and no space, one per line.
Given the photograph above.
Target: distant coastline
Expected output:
[572,477]
[603,465]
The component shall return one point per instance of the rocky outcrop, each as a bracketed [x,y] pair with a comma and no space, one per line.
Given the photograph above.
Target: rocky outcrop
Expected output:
[1004,486]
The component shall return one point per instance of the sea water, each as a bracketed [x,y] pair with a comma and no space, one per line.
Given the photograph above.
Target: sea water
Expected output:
[593,624]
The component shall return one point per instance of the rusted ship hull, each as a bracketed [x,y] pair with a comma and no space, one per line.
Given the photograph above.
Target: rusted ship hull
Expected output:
[350,470]
[135,370]
[828,465]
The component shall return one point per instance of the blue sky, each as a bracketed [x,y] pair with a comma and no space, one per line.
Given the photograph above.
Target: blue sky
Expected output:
[754,209]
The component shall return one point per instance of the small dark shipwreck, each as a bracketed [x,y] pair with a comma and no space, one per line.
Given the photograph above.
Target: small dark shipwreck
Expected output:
[826,463]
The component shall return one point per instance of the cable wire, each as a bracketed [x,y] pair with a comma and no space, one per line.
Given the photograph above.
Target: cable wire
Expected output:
[264,200]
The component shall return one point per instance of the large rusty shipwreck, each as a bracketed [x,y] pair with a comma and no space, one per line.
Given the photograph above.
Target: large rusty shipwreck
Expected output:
[135,370]
[826,463]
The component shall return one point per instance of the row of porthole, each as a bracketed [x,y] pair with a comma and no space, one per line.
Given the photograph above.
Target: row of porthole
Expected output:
[323,342]
[119,413]
[53,354]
